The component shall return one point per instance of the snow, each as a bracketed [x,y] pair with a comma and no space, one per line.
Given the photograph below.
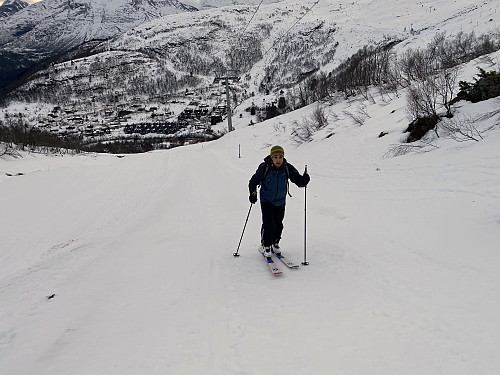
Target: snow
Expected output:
[137,251]
[403,251]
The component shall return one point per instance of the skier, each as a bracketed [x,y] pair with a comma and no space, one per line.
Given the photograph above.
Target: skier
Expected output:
[272,175]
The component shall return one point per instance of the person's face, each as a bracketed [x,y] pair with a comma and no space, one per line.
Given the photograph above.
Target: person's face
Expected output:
[277,160]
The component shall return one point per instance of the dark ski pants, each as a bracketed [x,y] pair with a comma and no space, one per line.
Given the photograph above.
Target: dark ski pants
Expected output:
[272,223]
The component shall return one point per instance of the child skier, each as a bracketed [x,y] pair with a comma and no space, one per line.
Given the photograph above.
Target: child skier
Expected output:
[272,175]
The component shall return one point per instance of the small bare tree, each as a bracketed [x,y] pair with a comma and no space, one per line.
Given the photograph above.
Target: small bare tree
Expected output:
[446,82]
[422,99]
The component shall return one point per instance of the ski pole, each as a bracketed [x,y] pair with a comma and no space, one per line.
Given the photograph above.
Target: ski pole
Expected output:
[305,262]
[246,221]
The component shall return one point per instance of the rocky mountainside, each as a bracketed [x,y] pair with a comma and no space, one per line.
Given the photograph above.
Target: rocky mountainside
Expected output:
[10,7]
[52,27]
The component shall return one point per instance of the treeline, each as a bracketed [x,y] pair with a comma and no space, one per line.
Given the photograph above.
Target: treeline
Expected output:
[17,132]
[378,65]
[20,136]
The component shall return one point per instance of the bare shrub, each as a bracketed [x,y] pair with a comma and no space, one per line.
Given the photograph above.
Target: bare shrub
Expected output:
[402,149]
[423,145]
[304,131]
[279,126]
[461,129]
[319,118]
[359,117]
[8,149]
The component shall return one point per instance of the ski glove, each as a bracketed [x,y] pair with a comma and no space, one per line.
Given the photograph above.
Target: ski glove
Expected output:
[306,179]
[253,198]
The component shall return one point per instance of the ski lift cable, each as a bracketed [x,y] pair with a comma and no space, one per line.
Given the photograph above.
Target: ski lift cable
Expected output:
[253,15]
[296,22]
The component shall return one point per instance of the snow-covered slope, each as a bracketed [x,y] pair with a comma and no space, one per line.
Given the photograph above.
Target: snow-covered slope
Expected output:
[57,25]
[136,255]
[50,27]
[207,4]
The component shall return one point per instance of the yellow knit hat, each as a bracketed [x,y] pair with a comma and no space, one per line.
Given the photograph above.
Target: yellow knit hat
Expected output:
[277,150]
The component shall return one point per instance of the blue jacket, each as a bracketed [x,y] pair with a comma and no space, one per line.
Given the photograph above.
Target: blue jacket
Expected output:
[275,186]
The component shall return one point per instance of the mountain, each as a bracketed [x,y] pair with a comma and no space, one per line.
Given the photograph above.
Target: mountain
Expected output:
[52,27]
[273,47]
[9,7]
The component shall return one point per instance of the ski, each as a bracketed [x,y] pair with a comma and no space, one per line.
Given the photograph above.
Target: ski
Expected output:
[272,266]
[287,262]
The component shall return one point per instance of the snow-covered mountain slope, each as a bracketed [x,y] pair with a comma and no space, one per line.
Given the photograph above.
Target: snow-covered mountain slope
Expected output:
[10,7]
[272,47]
[208,4]
[279,42]
[136,253]
[55,26]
